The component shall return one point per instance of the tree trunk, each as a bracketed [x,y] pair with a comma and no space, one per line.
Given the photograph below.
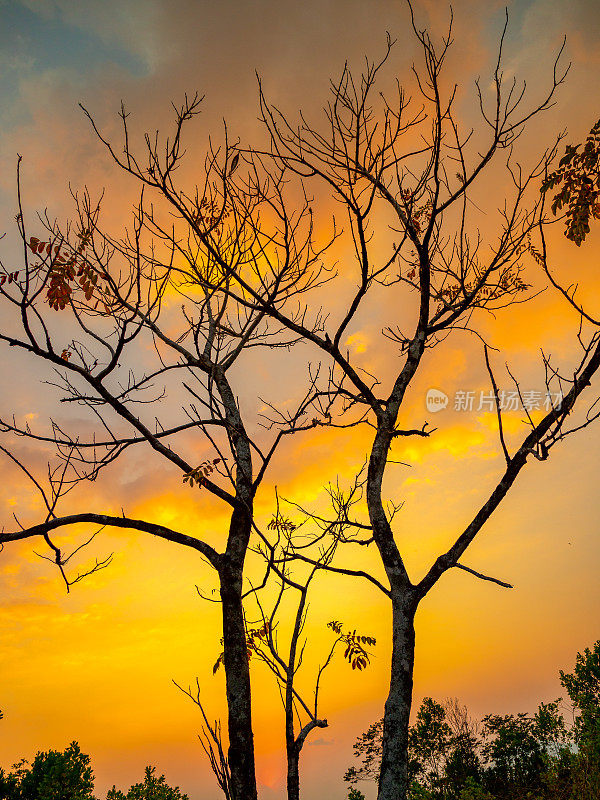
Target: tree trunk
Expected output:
[293,772]
[394,780]
[237,680]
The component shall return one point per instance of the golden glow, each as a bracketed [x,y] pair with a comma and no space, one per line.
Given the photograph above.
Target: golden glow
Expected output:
[97,665]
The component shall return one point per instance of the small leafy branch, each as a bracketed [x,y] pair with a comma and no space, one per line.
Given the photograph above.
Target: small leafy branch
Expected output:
[255,637]
[355,654]
[281,524]
[579,174]
[510,283]
[68,272]
[209,215]
[199,475]
[417,216]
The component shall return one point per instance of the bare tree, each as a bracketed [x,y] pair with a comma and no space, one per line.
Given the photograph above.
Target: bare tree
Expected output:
[419,169]
[212,742]
[283,652]
[91,306]
[405,180]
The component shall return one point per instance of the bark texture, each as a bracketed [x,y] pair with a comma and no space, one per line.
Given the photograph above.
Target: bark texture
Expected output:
[237,681]
[394,781]
[293,772]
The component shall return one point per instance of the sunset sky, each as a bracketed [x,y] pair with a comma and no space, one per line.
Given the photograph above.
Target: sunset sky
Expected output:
[97,665]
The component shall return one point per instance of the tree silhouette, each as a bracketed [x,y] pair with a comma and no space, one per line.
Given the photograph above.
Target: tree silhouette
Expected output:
[242,251]
[419,170]
[151,788]
[52,775]
[92,307]
[386,163]
[282,651]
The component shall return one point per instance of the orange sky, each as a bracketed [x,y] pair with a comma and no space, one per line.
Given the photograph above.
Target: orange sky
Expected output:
[97,665]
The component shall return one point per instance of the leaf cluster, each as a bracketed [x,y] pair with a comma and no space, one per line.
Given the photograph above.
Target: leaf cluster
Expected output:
[355,653]
[578,180]
[199,474]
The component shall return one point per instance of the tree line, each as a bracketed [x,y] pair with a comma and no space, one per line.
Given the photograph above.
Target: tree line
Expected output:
[553,754]
[68,775]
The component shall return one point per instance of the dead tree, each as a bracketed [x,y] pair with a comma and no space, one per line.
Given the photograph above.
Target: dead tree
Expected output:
[283,651]
[86,304]
[419,169]
[212,742]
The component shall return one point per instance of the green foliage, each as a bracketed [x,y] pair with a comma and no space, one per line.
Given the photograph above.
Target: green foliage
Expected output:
[115,794]
[507,757]
[473,791]
[583,688]
[583,685]
[8,786]
[355,794]
[152,788]
[68,776]
[429,742]
[440,753]
[367,748]
[52,776]
[578,181]
[516,751]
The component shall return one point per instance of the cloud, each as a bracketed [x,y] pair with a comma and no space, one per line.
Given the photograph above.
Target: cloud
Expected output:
[321,742]
[126,28]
